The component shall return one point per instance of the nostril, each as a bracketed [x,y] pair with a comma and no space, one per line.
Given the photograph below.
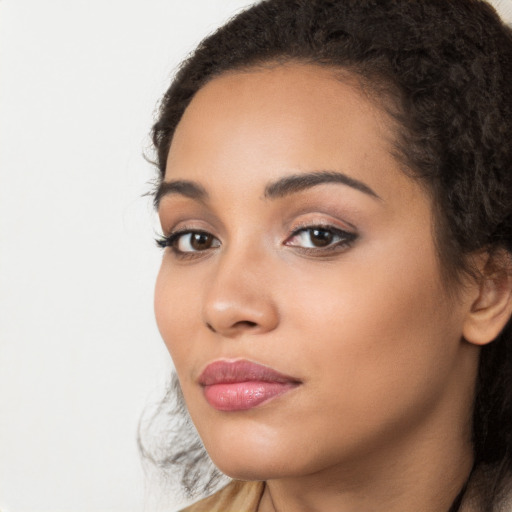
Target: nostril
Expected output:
[232,328]
[245,323]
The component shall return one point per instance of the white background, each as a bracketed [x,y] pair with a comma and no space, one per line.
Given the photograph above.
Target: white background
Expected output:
[80,354]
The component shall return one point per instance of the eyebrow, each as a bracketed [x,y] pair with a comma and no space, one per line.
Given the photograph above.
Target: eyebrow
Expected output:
[275,190]
[181,187]
[298,182]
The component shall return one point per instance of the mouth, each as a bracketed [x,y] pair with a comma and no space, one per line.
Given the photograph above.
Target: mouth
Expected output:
[241,385]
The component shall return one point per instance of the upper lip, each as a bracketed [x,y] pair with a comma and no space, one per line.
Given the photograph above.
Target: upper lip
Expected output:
[241,370]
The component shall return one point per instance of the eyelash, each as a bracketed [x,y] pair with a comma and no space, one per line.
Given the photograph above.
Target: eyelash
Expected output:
[346,239]
[172,239]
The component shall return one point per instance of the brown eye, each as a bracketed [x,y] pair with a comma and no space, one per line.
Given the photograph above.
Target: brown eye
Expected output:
[321,237]
[193,241]
[201,241]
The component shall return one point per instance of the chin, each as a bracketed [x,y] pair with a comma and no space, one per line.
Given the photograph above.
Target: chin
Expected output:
[249,458]
[251,470]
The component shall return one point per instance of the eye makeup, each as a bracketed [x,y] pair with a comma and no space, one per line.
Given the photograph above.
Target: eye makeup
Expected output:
[320,239]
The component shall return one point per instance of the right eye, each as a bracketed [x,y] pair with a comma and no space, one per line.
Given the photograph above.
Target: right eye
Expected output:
[187,242]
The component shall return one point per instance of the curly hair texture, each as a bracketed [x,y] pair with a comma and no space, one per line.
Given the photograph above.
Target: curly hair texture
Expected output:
[442,70]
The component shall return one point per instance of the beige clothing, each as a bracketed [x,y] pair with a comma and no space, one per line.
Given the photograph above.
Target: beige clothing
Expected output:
[240,496]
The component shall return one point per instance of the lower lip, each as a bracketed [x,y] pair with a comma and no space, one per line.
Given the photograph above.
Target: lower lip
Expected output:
[240,396]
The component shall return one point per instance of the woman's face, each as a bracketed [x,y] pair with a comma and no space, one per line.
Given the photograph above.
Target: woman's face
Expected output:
[297,243]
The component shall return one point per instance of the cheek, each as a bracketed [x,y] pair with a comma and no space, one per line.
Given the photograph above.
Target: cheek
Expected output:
[382,333]
[176,311]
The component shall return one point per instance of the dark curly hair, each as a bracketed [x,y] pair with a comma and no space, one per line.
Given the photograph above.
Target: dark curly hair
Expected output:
[442,69]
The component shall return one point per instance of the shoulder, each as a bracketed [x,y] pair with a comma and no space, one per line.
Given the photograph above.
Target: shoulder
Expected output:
[237,496]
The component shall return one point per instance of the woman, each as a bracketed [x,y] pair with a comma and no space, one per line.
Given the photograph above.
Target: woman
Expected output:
[336,204]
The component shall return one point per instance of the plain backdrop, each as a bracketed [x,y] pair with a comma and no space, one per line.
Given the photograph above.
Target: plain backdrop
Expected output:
[80,354]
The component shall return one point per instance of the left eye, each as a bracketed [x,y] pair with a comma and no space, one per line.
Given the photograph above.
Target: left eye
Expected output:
[318,237]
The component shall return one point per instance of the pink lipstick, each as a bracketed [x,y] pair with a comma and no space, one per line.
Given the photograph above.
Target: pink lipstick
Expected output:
[240,385]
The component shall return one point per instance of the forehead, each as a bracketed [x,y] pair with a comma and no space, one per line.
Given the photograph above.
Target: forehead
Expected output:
[262,123]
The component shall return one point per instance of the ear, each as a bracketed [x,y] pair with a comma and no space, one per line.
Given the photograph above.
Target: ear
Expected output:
[492,307]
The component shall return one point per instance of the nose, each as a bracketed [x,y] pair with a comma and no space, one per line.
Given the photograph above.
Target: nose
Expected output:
[238,298]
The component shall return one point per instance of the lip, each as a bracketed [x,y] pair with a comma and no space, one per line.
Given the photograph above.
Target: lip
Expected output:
[241,385]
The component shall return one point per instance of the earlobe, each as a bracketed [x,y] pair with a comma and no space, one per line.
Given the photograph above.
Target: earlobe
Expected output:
[492,308]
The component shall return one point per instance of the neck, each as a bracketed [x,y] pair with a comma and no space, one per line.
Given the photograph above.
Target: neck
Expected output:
[394,485]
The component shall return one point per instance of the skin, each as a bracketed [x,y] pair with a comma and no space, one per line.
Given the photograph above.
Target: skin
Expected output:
[381,419]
